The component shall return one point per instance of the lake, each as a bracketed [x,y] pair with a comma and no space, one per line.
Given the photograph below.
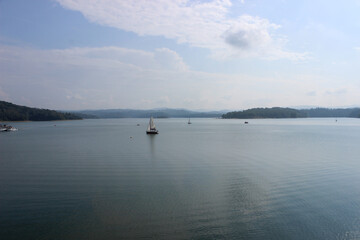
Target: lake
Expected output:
[213,179]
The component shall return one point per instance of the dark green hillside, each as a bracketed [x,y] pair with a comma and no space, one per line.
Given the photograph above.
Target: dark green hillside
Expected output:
[332,112]
[12,112]
[275,112]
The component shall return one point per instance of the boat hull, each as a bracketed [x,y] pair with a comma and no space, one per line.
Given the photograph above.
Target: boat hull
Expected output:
[152,132]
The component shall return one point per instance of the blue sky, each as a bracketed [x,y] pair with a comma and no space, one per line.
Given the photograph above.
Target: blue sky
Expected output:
[213,54]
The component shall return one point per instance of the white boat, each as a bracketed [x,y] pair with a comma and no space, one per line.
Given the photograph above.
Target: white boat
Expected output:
[189,121]
[5,128]
[151,128]
[10,128]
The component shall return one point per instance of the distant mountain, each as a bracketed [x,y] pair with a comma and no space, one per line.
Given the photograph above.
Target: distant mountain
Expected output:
[277,112]
[157,113]
[13,112]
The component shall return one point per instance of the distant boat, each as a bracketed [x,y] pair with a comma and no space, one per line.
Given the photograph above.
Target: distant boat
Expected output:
[189,121]
[10,128]
[5,128]
[151,128]
[246,122]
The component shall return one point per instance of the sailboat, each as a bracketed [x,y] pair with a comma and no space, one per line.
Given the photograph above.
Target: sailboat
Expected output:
[189,121]
[151,128]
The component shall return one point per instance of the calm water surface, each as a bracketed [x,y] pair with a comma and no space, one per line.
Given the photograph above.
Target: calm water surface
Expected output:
[213,179]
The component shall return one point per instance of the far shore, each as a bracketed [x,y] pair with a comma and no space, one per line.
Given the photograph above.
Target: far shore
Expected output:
[41,121]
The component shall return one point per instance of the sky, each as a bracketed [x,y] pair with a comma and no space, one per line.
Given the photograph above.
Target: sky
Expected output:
[193,54]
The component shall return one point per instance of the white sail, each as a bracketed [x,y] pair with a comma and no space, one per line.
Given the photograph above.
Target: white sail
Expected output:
[151,128]
[152,124]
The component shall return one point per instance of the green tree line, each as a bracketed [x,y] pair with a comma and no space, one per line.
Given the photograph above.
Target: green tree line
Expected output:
[13,112]
[277,112]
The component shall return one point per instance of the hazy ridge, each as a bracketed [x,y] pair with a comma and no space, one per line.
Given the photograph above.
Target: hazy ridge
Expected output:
[13,112]
[157,113]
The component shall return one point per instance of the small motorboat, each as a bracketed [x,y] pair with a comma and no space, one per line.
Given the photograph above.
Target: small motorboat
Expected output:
[10,129]
[6,128]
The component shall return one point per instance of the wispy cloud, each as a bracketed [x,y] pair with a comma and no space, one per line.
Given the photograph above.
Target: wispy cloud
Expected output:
[341,91]
[83,77]
[311,93]
[199,24]
[113,77]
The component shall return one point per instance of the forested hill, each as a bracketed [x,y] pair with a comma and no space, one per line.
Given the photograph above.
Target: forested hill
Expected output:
[277,112]
[333,112]
[12,112]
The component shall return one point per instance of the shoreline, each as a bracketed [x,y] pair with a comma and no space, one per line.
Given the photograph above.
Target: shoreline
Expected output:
[41,120]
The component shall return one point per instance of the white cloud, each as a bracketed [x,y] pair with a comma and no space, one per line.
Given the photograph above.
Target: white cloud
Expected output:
[249,32]
[199,24]
[169,59]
